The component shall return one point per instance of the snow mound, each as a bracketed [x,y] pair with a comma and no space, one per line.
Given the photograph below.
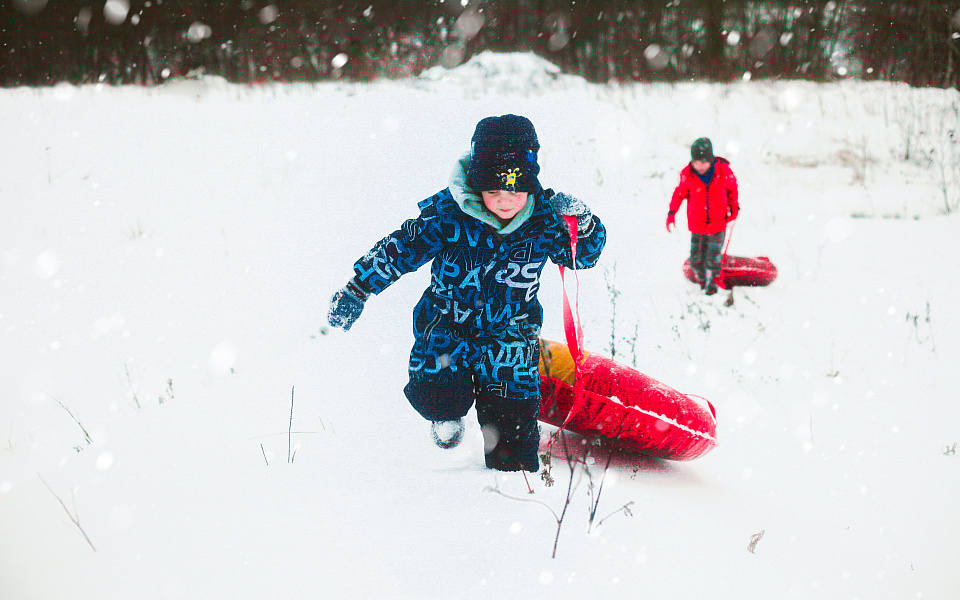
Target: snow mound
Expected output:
[194,87]
[505,72]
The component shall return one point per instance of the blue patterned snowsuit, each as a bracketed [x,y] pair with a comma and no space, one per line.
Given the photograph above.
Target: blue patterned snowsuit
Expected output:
[478,324]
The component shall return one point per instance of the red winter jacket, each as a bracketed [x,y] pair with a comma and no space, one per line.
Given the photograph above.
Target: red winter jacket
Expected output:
[710,206]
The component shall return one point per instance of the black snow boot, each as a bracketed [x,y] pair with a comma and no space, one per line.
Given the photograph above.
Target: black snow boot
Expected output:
[508,455]
[700,279]
[511,436]
[711,284]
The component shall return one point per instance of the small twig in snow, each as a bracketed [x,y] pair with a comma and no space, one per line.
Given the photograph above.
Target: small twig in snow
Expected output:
[133,393]
[527,481]
[73,517]
[625,509]
[595,500]
[495,488]
[86,435]
[290,429]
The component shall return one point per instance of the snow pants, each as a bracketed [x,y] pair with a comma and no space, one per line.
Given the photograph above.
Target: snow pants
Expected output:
[705,256]
[451,370]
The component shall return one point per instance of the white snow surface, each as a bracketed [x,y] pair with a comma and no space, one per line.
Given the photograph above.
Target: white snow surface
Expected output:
[168,381]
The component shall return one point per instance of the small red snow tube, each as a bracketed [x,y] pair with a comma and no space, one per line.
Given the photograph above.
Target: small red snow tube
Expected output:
[740,271]
[623,406]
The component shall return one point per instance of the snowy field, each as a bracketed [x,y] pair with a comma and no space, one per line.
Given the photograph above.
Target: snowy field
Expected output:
[177,421]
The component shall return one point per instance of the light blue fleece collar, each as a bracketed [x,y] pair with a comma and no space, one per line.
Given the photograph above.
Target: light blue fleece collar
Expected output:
[471,202]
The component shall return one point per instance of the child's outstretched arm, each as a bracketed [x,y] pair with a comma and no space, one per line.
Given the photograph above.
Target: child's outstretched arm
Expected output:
[405,250]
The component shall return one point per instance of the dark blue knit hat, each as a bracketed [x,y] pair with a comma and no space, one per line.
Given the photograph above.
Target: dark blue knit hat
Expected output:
[504,155]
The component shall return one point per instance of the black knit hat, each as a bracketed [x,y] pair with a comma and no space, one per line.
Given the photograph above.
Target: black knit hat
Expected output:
[504,155]
[702,149]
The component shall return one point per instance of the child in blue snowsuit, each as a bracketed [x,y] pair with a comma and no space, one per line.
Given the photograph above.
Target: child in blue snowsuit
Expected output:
[477,326]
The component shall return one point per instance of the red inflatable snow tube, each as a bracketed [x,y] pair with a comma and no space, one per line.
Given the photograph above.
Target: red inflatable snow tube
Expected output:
[623,406]
[740,271]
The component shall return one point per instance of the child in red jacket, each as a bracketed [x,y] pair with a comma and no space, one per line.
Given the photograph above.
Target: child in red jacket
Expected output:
[710,189]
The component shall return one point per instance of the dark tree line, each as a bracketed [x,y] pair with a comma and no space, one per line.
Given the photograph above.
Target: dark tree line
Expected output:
[43,42]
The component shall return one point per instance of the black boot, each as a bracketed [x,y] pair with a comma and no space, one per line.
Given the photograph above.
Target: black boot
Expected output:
[711,284]
[511,436]
[512,455]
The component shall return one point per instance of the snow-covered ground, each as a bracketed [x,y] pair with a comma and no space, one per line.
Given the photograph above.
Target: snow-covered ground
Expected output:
[167,379]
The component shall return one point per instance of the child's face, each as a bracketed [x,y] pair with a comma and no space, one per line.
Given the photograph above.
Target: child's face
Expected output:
[701,166]
[503,204]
